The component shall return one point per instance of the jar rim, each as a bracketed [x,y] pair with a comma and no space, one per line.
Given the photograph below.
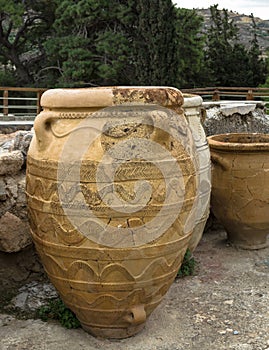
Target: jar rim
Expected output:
[106,96]
[239,141]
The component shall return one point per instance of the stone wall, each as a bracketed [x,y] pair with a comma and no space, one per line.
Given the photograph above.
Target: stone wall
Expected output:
[18,261]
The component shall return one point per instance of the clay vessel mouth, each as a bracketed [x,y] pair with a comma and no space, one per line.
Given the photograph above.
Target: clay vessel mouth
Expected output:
[240,141]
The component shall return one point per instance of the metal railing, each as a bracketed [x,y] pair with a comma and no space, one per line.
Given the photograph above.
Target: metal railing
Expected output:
[20,103]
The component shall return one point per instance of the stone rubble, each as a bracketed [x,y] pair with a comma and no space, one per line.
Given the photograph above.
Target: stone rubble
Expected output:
[11,162]
[18,260]
[226,116]
[32,296]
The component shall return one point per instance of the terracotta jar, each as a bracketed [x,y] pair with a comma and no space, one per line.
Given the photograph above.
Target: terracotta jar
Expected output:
[193,112]
[240,187]
[112,180]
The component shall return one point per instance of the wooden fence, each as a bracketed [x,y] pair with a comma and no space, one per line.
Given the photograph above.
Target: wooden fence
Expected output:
[24,103]
[216,93]
[20,102]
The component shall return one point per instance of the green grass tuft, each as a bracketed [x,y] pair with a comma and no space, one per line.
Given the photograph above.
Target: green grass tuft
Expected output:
[57,310]
[188,265]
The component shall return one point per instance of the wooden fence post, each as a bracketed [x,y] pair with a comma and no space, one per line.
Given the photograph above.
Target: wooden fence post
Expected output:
[216,96]
[38,105]
[5,103]
[250,95]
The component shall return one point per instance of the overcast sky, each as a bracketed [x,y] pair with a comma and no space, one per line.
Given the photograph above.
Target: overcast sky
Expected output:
[260,8]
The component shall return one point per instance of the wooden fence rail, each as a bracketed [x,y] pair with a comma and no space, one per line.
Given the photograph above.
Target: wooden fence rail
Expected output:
[14,104]
[215,93]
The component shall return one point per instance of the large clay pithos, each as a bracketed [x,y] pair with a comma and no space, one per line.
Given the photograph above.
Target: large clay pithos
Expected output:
[240,187]
[111,193]
[193,112]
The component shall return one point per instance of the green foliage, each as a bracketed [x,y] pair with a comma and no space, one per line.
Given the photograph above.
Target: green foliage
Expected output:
[57,310]
[7,77]
[220,53]
[154,42]
[190,49]
[257,66]
[89,45]
[229,62]
[11,11]
[188,265]
[50,43]
[24,25]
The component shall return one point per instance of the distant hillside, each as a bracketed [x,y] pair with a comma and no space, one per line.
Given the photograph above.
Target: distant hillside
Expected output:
[245,27]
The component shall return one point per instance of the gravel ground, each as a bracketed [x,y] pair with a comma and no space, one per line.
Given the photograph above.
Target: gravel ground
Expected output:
[224,306]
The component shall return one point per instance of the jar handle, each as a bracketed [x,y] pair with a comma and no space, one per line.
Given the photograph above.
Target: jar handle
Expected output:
[220,161]
[203,115]
[136,315]
[42,127]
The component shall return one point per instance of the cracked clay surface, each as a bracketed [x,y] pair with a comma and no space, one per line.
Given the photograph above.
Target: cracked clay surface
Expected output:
[224,306]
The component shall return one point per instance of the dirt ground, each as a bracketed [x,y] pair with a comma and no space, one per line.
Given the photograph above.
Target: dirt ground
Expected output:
[224,306]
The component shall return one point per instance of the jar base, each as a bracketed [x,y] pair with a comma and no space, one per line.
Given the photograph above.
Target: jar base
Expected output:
[113,333]
[249,242]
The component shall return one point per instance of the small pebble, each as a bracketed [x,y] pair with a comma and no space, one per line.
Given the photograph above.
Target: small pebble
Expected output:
[236,332]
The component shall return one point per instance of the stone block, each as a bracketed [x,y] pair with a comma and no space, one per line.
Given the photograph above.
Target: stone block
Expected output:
[11,162]
[14,233]
[240,108]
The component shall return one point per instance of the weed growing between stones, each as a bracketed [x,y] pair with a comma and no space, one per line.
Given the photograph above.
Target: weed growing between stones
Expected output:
[57,310]
[188,265]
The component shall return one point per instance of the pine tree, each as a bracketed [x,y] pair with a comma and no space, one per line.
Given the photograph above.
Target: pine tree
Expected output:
[190,49]
[229,62]
[89,43]
[221,52]
[257,66]
[154,42]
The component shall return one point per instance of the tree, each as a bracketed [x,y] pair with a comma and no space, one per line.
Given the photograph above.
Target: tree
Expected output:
[153,41]
[229,62]
[89,45]
[190,49]
[266,84]
[257,65]
[99,42]
[115,42]
[23,27]
[221,52]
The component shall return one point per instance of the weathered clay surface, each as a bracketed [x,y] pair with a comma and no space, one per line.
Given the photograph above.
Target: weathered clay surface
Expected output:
[108,96]
[192,111]
[14,233]
[224,306]
[115,273]
[240,187]
[231,116]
